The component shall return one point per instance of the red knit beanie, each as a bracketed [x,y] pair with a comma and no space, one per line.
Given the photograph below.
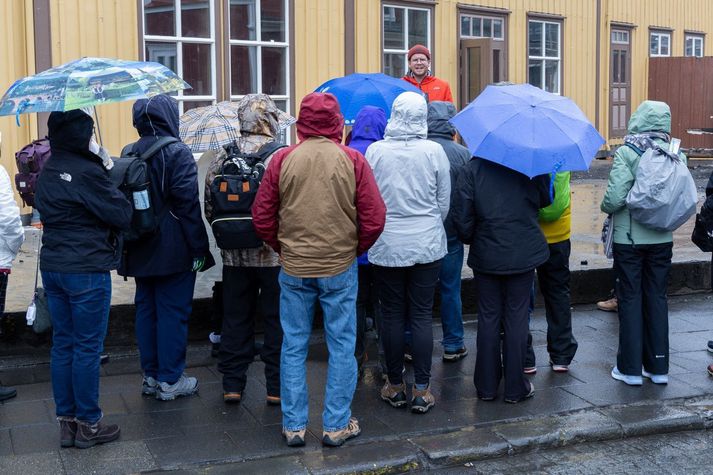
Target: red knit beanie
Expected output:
[418,49]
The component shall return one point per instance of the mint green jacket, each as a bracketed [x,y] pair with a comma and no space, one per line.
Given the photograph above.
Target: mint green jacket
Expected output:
[651,116]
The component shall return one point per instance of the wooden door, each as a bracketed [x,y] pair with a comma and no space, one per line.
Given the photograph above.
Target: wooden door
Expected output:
[619,83]
[476,68]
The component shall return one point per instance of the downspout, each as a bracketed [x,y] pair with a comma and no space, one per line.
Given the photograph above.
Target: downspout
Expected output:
[597,83]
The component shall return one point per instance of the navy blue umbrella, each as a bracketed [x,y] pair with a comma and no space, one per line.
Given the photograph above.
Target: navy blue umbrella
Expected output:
[358,90]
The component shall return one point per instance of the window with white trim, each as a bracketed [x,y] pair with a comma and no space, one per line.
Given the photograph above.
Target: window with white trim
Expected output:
[694,46]
[479,26]
[403,28]
[180,34]
[544,54]
[620,37]
[659,44]
[259,49]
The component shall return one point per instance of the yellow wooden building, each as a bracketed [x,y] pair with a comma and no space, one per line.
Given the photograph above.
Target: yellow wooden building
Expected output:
[594,51]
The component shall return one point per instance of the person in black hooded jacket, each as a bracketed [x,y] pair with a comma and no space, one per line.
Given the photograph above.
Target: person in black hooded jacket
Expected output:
[82,214]
[165,263]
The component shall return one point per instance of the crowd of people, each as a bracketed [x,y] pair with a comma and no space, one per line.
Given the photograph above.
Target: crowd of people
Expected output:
[366,228]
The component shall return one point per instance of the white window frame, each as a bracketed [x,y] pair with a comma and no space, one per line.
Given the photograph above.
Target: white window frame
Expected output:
[620,37]
[544,59]
[693,38]
[473,16]
[660,35]
[406,9]
[257,42]
[178,40]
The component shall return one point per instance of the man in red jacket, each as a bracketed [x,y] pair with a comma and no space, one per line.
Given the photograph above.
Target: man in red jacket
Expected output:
[419,74]
[319,207]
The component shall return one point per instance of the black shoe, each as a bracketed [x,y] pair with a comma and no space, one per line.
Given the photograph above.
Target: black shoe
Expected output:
[7,393]
[526,396]
[67,431]
[710,346]
[456,355]
[89,435]
[103,359]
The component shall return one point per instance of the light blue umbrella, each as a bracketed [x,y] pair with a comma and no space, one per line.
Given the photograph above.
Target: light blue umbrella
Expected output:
[528,130]
[358,90]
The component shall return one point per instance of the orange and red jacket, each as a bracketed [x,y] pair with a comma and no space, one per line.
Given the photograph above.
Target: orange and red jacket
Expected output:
[435,89]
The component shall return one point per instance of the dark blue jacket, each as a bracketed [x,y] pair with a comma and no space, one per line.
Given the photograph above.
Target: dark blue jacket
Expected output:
[174,183]
[81,210]
[442,132]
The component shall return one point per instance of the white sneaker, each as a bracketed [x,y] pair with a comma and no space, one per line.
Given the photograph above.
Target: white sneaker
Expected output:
[655,378]
[148,386]
[185,386]
[628,379]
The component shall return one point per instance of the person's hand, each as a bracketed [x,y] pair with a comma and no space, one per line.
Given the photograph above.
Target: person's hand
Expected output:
[198,263]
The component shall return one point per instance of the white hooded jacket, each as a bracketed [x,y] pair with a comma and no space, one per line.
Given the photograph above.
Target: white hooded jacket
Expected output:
[11,232]
[414,181]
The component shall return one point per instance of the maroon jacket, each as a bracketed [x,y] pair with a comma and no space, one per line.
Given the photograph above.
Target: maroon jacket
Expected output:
[318,205]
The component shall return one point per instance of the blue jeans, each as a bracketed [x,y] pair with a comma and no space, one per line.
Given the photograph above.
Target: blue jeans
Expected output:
[79,306]
[337,296]
[451,305]
[163,305]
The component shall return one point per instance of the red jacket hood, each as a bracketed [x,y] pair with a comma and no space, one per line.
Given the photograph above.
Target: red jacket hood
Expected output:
[320,116]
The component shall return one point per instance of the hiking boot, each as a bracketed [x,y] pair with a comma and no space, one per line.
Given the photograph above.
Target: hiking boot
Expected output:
[7,392]
[361,362]
[294,438]
[185,386]
[631,380]
[422,400]
[232,397]
[529,369]
[655,378]
[559,368]
[710,369]
[394,394]
[456,355]
[148,386]
[526,396]
[89,435]
[611,305]
[67,431]
[338,437]
[273,400]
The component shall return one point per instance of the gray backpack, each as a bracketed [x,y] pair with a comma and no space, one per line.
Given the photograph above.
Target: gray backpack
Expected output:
[664,194]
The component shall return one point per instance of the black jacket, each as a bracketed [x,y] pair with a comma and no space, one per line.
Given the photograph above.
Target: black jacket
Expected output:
[442,132]
[81,210]
[174,183]
[496,214]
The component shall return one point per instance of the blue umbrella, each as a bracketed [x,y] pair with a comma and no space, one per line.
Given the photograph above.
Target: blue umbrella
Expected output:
[358,90]
[528,130]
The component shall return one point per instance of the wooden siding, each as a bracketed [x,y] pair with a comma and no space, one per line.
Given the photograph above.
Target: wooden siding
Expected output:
[367,36]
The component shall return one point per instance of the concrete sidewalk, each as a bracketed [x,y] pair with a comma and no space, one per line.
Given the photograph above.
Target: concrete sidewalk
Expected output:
[203,435]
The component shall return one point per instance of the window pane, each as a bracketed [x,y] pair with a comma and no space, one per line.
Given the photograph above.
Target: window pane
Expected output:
[552,40]
[552,76]
[622,67]
[418,27]
[394,28]
[535,38]
[197,69]
[160,17]
[242,20]
[654,45]
[272,20]
[535,73]
[164,53]
[243,70]
[395,64]
[664,45]
[699,48]
[274,71]
[477,27]
[195,18]
[465,26]
[188,105]
[498,29]
[487,31]
[615,66]
[689,48]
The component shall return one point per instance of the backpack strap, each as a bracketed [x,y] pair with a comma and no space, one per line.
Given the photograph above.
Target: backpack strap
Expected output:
[158,145]
[636,149]
[268,149]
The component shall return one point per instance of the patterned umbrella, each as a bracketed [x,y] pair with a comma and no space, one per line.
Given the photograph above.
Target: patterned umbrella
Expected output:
[211,127]
[88,82]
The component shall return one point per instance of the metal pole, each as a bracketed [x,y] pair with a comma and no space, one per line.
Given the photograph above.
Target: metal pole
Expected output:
[96,124]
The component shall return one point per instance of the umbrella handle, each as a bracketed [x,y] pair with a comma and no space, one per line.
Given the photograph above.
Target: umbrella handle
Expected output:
[20,109]
[96,123]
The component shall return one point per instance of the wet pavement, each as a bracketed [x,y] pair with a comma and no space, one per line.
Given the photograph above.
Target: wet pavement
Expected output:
[203,435]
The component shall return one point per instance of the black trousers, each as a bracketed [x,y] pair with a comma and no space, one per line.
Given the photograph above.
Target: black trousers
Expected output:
[246,291]
[643,272]
[553,277]
[502,301]
[366,306]
[406,293]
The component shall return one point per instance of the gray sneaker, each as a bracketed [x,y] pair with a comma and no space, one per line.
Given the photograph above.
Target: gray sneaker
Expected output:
[185,386]
[148,386]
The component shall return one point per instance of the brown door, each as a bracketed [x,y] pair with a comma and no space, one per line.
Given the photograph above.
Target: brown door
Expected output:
[620,83]
[476,68]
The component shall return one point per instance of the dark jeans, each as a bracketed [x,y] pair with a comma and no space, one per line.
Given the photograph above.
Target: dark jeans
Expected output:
[502,300]
[643,272]
[79,308]
[246,292]
[451,305]
[406,293]
[163,305]
[3,292]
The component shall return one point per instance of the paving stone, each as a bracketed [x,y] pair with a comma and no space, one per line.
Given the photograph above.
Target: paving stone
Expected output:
[176,451]
[588,426]
[116,457]
[605,393]
[39,463]
[387,457]
[537,432]
[23,413]
[281,465]
[35,438]
[5,443]
[653,419]
[465,445]
[553,400]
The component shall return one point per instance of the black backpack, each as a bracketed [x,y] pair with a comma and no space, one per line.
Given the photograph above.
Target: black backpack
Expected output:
[131,175]
[232,194]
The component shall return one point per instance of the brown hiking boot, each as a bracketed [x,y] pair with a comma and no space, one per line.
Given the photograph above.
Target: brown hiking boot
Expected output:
[232,397]
[294,438]
[422,401]
[89,435]
[67,431]
[273,400]
[394,394]
[338,437]
[611,305]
